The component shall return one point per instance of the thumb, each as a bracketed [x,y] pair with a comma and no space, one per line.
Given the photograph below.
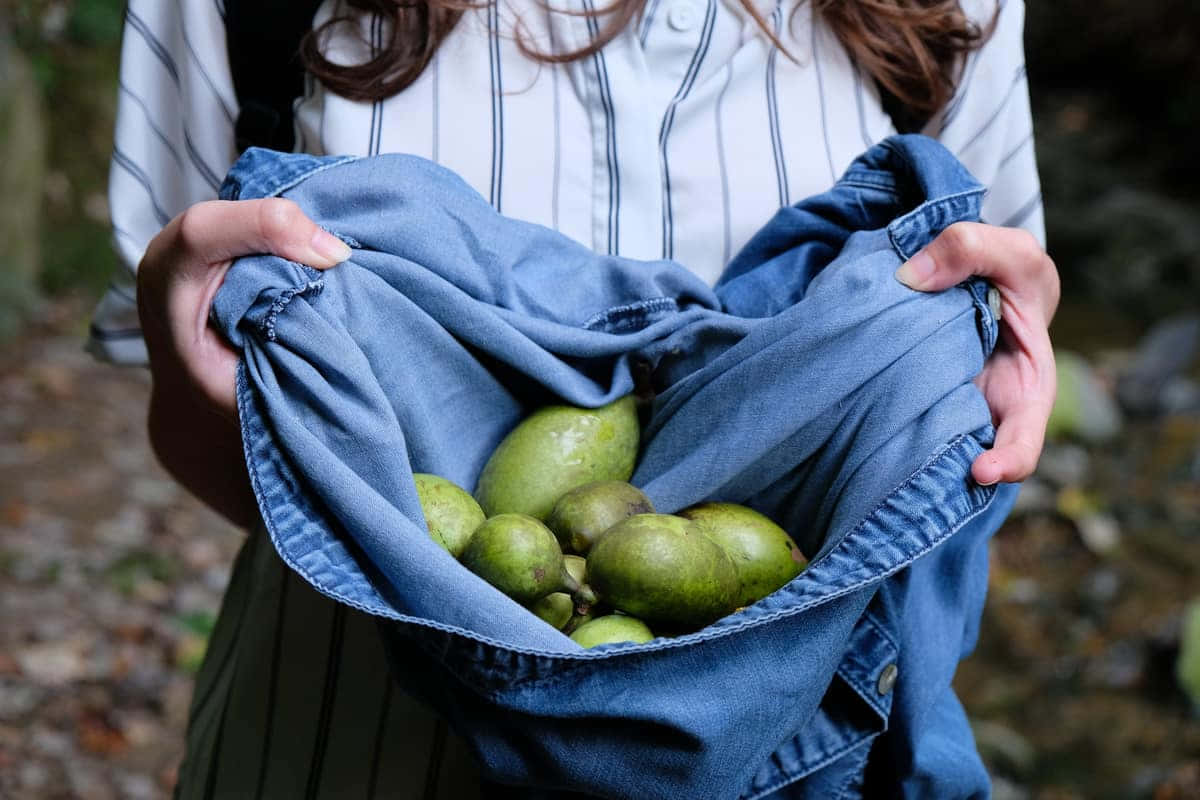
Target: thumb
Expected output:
[953,256]
[221,230]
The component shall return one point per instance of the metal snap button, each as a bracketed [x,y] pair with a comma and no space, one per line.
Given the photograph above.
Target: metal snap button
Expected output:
[993,301]
[887,678]
[682,16]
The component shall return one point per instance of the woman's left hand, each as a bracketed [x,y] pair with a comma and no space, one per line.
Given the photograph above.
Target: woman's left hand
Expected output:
[1018,381]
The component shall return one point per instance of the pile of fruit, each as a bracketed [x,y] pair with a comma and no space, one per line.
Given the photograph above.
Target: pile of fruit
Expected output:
[554,525]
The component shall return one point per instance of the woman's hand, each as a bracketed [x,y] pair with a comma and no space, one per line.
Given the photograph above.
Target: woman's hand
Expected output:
[1018,381]
[193,417]
[186,263]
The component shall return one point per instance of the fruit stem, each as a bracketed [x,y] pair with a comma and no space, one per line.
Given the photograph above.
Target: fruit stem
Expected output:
[581,594]
[584,599]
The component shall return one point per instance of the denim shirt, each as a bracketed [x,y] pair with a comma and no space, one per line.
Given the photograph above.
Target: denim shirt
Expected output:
[808,383]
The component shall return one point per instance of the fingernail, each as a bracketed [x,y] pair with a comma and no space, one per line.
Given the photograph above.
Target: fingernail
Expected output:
[330,247]
[916,271]
[995,464]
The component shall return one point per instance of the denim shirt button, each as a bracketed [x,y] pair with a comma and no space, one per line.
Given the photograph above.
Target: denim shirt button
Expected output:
[993,301]
[887,678]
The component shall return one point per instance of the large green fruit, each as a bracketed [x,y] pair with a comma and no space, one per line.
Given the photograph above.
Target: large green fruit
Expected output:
[765,556]
[613,628]
[451,514]
[663,569]
[554,450]
[585,512]
[518,555]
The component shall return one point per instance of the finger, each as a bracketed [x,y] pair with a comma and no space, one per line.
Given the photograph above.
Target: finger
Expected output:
[214,372]
[1011,258]
[220,230]
[1014,456]
[1021,389]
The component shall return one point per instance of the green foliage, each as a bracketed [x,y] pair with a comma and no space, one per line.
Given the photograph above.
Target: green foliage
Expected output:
[200,623]
[137,566]
[74,62]
[77,257]
[96,22]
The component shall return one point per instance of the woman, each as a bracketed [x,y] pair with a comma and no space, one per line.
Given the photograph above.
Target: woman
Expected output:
[672,129]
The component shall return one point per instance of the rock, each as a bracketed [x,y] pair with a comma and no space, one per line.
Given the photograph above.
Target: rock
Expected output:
[51,743]
[33,777]
[1164,353]
[88,781]
[200,553]
[1035,497]
[1101,586]
[152,491]
[1180,395]
[53,663]
[18,698]
[1024,591]
[136,787]
[1099,532]
[127,530]
[1004,789]
[1004,748]
[1064,464]
[1122,666]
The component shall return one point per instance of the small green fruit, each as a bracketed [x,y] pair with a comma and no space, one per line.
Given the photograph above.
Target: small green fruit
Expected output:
[555,609]
[613,628]
[518,555]
[451,514]
[765,556]
[581,515]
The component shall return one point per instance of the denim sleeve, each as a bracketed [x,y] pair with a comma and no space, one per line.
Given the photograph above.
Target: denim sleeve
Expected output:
[808,384]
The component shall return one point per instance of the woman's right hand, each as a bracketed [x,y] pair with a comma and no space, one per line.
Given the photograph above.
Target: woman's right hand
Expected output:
[193,416]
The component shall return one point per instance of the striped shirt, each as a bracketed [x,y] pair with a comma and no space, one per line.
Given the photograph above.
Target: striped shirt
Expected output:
[679,139]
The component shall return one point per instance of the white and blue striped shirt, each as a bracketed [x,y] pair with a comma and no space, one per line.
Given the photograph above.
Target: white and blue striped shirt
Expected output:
[679,139]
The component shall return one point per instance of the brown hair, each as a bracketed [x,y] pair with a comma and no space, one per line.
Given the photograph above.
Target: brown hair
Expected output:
[912,48]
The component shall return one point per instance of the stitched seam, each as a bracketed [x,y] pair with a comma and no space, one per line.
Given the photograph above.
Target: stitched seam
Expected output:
[851,775]
[805,771]
[902,226]
[293,182]
[641,308]
[267,326]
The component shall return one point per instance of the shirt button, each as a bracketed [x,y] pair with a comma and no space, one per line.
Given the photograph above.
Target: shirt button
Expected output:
[682,16]
[993,301]
[887,678]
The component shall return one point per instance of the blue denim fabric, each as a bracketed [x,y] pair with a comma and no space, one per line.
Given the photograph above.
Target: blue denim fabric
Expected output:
[808,383]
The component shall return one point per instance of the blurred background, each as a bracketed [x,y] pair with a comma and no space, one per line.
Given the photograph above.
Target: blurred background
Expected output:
[1086,680]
